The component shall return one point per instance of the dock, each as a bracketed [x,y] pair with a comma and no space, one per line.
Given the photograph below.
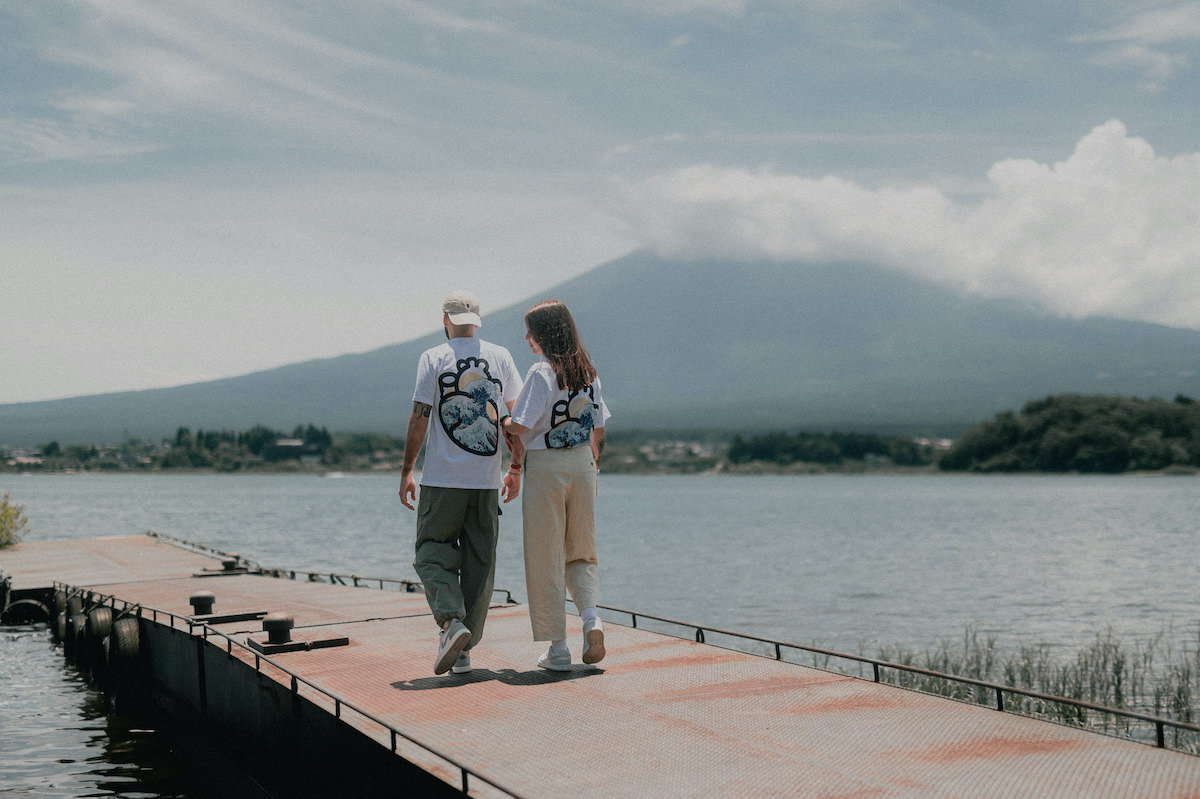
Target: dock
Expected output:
[660,716]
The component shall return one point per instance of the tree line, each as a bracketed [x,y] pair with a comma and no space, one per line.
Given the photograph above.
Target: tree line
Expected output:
[1062,433]
[1083,433]
[828,449]
[260,447]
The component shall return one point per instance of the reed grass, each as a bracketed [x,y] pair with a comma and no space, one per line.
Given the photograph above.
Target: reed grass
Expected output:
[1150,677]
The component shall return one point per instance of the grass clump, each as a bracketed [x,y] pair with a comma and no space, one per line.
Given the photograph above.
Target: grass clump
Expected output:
[12,522]
[1150,678]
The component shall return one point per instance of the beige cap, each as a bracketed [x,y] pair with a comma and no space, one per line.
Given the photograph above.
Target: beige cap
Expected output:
[462,308]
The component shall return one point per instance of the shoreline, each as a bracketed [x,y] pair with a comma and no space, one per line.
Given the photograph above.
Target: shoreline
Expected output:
[752,469]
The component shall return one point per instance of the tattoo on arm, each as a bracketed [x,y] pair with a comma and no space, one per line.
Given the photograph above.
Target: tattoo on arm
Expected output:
[600,446]
[421,409]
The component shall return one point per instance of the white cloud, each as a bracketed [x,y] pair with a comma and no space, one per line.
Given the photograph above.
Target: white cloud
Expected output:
[32,140]
[668,8]
[1144,42]
[1112,230]
[1177,22]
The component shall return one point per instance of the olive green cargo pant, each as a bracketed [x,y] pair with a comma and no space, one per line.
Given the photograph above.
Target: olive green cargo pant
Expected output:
[457,529]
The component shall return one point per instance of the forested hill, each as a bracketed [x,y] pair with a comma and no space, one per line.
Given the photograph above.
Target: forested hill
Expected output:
[1077,433]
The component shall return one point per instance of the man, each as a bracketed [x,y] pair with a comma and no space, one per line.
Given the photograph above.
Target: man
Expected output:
[467,385]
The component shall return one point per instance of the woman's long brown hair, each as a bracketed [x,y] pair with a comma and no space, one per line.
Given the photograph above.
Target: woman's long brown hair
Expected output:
[552,328]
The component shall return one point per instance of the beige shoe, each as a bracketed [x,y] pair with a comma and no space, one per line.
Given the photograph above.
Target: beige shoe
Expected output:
[593,641]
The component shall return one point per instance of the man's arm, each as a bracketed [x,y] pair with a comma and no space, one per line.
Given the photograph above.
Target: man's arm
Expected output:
[418,423]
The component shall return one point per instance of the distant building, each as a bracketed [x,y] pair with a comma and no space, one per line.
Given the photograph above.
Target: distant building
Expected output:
[25,460]
[284,449]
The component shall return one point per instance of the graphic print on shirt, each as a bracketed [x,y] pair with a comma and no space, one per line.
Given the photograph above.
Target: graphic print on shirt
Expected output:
[572,419]
[469,406]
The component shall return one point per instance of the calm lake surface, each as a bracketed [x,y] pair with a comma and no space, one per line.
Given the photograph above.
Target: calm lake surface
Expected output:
[847,562]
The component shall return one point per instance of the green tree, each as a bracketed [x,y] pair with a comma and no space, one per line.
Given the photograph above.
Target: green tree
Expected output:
[1083,433]
[317,437]
[258,438]
[175,459]
[13,521]
[81,453]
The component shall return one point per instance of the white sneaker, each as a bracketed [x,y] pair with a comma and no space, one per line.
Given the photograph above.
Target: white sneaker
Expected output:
[593,641]
[452,640]
[463,664]
[555,661]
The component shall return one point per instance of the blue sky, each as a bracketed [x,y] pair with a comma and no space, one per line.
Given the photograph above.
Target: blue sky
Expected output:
[193,190]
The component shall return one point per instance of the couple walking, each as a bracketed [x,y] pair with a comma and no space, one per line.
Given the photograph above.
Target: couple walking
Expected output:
[553,424]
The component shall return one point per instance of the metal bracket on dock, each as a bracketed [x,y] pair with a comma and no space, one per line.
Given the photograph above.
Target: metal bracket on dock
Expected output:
[231,563]
[222,572]
[267,648]
[278,627]
[226,618]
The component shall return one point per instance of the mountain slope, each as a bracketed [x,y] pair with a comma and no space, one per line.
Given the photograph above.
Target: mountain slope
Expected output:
[711,344]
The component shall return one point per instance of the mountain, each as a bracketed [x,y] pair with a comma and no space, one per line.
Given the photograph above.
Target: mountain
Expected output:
[716,344]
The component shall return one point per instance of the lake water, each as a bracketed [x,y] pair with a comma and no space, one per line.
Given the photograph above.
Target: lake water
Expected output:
[844,562]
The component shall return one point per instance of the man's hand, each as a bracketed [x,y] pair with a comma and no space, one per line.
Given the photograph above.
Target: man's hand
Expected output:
[418,423]
[511,486]
[408,490]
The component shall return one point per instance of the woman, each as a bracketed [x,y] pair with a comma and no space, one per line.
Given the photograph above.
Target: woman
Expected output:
[559,417]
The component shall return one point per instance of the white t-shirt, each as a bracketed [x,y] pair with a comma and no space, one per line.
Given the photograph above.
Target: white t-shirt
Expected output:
[469,383]
[557,418]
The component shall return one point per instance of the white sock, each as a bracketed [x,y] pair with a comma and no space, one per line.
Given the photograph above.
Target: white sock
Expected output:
[559,646]
[588,614]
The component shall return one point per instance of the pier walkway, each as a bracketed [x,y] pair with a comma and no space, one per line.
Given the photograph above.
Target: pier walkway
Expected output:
[660,716]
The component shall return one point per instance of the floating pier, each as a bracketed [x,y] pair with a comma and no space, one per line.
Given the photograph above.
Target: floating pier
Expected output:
[337,675]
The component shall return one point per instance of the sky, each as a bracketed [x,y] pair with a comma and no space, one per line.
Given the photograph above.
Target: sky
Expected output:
[196,190]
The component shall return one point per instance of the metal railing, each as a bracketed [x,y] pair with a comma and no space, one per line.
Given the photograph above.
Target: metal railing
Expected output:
[340,704]
[308,575]
[878,667]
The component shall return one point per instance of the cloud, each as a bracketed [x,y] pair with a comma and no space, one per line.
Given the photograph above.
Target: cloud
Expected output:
[1172,23]
[136,78]
[1144,41]
[35,140]
[1112,230]
[670,8]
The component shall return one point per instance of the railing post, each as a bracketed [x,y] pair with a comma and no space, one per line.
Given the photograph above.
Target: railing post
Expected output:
[1160,733]
[999,699]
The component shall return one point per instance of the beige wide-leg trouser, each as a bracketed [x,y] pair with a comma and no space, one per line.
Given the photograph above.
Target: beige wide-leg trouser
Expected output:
[557,508]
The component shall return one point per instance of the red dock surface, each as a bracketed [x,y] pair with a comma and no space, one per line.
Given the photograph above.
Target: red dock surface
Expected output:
[660,716]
